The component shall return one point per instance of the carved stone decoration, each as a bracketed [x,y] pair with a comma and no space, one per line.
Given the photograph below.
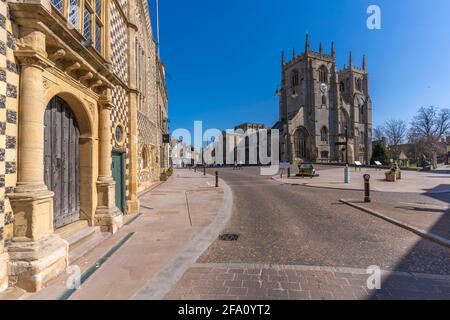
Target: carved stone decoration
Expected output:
[57,55]
[47,83]
[72,67]
[86,76]
[96,84]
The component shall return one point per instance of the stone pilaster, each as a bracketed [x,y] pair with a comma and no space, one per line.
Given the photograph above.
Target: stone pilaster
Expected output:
[132,201]
[107,216]
[4,258]
[36,253]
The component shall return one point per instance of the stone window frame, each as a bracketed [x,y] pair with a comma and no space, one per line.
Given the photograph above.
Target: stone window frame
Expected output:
[121,142]
[97,15]
[324,134]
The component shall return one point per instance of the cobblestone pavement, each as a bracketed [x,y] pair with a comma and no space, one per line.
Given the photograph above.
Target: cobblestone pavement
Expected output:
[211,281]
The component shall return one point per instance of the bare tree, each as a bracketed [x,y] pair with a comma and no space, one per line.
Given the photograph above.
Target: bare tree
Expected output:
[428,128]
[395,131]
[378,133]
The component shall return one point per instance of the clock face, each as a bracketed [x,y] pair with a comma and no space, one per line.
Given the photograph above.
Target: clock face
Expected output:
[324,88]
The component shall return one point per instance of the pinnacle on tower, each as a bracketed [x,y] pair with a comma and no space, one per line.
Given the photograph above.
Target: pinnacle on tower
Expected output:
[364,63]
[307,43]
[320,48]
[332,49]
[350,60]
[282,57]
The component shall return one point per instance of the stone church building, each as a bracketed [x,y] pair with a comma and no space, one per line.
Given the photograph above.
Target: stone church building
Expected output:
[325,114]
[83,108]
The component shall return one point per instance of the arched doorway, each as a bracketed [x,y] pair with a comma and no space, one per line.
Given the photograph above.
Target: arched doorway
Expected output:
[302,144]
[61,161]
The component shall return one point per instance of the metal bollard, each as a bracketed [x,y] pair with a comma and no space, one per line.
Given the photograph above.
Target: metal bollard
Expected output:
[217,179]
[367,188]
[204,170]
[289,172]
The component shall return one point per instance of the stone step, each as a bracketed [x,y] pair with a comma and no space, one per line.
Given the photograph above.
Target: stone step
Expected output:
[83,247]
[79,236]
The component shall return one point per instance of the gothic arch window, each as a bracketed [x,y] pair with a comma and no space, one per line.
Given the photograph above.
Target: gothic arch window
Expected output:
[324,134]
[294,78]
[358,84]
[341,86]
[343,120]
[301,146]
[323,74]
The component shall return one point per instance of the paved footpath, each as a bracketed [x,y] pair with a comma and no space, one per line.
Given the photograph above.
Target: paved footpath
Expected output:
[210,281]
[163,231]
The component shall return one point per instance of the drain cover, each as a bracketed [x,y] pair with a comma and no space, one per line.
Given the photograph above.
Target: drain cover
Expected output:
[228,237]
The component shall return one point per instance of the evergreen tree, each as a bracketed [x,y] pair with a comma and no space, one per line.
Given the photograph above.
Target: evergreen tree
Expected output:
[380,153]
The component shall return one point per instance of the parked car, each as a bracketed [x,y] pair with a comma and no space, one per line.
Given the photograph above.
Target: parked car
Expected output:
[306,169]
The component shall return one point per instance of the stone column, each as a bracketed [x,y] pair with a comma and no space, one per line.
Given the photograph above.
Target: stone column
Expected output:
[107,215]
[36,253]
[132,201]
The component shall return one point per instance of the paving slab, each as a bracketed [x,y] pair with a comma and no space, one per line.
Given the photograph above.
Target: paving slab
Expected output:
[291,282]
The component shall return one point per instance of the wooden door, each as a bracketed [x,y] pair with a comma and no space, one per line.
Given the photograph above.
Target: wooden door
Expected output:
[61,161]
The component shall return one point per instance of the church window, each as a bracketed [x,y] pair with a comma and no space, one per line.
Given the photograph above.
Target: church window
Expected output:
[294,78]
[324,100]
[361,138]
[324,154]
[358,84]
[323,74]
[324,134]
[341,86]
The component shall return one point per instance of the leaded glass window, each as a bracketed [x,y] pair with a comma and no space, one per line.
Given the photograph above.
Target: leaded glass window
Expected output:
[74,13]
[87,25]
[59,4]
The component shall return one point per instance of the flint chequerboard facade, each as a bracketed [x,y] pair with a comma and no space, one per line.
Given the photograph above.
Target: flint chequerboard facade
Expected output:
[83,108]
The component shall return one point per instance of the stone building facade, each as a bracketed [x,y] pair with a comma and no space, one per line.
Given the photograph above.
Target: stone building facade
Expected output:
[71,88]
[325,115]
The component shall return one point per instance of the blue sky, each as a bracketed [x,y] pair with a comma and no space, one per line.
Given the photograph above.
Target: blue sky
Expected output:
[223,56]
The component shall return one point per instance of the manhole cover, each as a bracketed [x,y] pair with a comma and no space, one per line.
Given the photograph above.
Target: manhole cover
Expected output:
[228,237]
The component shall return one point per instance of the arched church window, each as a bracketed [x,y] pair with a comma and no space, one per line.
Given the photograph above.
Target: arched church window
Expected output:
[323,74]
[294,78]
[324,100]
[324,134]
[341,86]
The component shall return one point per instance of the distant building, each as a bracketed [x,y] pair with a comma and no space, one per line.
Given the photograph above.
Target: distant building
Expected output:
[319,105]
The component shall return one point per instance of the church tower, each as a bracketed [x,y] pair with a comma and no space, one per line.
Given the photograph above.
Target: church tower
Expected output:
[318,105]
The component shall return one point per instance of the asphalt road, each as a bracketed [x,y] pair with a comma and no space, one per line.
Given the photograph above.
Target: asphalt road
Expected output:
[296,225]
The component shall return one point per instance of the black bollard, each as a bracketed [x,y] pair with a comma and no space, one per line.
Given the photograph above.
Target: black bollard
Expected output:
[367,188]
[217,179]
[204,170]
